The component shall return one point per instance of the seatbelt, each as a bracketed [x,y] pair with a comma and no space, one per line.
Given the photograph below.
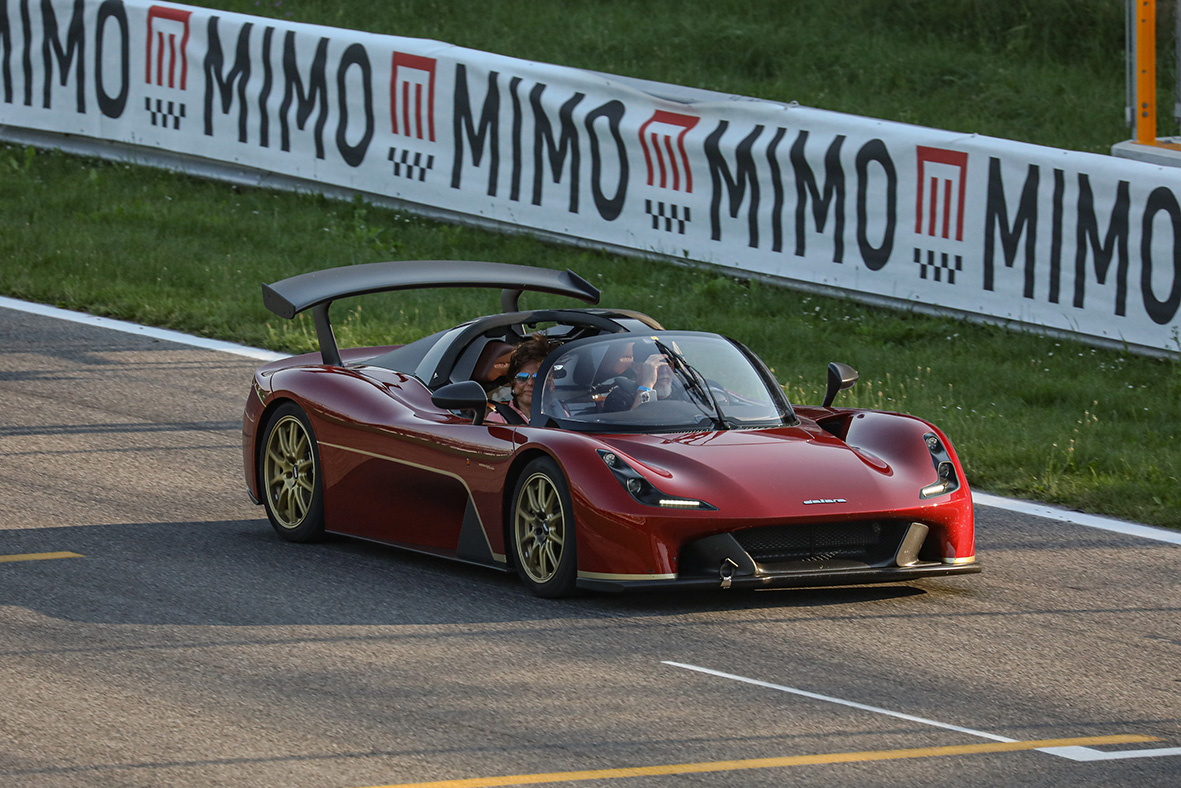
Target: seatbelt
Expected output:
[510,415]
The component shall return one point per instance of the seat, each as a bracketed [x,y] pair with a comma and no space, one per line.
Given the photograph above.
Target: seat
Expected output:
[492,365]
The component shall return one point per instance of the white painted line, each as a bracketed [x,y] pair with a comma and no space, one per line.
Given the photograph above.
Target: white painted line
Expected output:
[133,328]
[839,701]
[1073,753]
[984,499]
[1088,754]
[1078,518]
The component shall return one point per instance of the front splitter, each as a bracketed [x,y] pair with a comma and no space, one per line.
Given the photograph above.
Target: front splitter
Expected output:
[794,579]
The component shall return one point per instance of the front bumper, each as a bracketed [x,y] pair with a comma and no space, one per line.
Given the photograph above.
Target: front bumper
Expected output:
[810,554]
[821,577]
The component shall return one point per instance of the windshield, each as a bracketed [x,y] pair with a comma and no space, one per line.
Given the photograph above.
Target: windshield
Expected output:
[664,382]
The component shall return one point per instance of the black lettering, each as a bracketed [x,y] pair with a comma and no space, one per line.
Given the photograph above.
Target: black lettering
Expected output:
[27,52]
[6,45]
[75,47]
[355,55]
[608,207]
[514,192]
[465,128]
[1055,242]
[876,257]
[1161,312]
[1115,242]
[776,190]
[834,194]
[996,218]
[264,95]
[316,94]
[224,85]
[736,184]
[543,142]
[111,106]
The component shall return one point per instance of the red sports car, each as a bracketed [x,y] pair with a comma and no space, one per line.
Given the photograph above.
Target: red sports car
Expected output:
[708,477]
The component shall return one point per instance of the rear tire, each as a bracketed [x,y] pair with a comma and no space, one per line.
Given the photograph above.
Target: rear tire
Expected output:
[542,528]
[289,472]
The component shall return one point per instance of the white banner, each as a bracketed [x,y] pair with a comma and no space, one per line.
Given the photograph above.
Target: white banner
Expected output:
[1073,242]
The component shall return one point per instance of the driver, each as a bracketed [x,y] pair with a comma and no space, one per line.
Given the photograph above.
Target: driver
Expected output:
[653,378]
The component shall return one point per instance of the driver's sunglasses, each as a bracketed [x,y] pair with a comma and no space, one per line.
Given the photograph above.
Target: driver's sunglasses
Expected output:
[525,377]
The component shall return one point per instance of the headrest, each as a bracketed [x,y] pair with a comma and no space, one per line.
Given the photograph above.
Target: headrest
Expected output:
[492,365]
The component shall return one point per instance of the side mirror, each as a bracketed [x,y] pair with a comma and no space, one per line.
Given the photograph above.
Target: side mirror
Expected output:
[465,395]
[840,377]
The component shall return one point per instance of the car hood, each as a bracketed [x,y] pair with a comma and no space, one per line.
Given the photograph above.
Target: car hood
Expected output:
[797,471]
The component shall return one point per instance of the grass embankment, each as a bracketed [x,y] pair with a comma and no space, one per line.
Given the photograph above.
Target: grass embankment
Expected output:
[1092,429]
[1041,418]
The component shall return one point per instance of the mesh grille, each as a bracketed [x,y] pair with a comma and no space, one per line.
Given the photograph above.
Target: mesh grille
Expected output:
[858,541]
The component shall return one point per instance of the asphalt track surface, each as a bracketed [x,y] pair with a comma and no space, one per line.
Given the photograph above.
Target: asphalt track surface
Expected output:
[154,632]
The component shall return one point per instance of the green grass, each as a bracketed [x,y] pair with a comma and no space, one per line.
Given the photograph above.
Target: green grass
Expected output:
[1097,430]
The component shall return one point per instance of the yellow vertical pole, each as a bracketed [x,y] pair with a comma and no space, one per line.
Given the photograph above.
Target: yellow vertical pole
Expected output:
[1146,72]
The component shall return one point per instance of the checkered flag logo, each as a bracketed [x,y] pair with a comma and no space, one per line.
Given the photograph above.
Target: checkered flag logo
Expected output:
[165,114]
[939,212]
[411,165]
[938,267]
[670,178]
[167,68]
[669,217]
[412,115]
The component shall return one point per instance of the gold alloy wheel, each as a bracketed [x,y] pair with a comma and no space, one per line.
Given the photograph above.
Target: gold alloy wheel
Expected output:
[539,525]
[290,472]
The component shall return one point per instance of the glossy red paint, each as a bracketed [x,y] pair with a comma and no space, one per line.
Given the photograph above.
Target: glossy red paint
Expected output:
[396,468]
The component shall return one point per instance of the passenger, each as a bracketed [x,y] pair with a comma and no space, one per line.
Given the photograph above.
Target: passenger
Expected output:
[522,372]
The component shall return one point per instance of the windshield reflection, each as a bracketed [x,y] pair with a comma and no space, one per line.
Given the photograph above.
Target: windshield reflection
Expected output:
[665,382]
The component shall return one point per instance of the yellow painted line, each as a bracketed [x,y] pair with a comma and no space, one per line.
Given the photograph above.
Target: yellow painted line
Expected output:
[6,559]
[770,763]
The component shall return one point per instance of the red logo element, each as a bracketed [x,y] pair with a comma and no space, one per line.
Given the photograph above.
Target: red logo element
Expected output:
[413,75]
[165,27]
[942,184]
[663,139]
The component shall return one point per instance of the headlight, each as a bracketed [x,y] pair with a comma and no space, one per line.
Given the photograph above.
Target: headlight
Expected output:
[642,490]
[944,469]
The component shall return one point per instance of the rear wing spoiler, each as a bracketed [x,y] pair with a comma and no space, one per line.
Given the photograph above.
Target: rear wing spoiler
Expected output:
[318,289]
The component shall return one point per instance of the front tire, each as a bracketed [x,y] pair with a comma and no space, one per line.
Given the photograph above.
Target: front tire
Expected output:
[542,523]
[289,468]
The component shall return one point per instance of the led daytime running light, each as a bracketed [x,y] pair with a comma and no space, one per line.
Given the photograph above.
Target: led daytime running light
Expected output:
[641,490]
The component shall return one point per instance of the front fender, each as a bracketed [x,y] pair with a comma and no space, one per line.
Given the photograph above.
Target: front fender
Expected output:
[900,440]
